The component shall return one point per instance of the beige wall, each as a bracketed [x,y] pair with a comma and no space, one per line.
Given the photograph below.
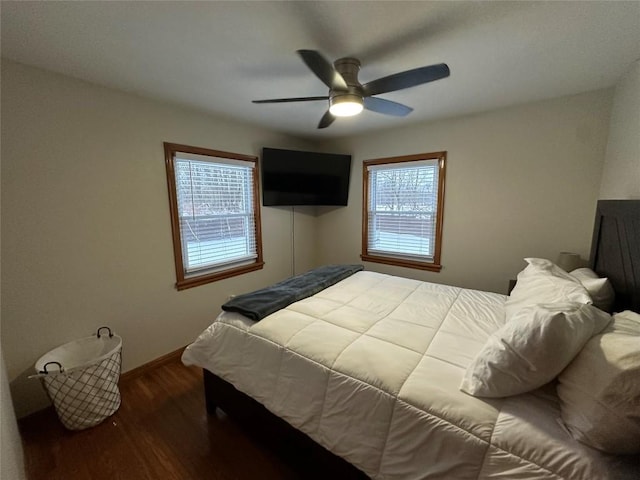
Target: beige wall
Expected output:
[521,181]
[86,236]
[621,175]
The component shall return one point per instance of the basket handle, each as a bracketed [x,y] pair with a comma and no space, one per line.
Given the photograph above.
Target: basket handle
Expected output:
[44,367]
[98,332]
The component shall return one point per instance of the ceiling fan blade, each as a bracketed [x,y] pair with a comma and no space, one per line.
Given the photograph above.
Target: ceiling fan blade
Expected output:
[387,107]
[410,78]
[326,120]
[323,69]
[285,100]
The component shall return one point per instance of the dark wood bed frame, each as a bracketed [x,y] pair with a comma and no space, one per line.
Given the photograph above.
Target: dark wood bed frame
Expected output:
[615,253]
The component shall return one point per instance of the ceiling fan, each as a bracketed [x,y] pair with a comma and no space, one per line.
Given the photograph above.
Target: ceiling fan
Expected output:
[347,96]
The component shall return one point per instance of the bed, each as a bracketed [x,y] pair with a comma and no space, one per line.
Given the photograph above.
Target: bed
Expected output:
[370,369]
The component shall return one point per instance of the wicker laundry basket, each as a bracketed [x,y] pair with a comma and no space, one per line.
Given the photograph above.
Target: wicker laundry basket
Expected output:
[81,379]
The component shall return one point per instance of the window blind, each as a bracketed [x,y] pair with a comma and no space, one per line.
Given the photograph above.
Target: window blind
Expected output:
[402,209]
[216,211]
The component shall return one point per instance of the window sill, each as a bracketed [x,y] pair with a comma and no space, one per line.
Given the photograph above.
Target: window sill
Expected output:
[185,283]
[432,267]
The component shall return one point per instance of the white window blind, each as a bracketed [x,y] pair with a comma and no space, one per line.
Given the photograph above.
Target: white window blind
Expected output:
[402,209]
[216,212]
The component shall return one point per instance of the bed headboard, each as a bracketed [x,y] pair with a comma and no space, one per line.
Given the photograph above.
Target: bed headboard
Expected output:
[615,250]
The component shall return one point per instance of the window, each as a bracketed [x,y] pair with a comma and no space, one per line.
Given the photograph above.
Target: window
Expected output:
[215,214]
[402,210]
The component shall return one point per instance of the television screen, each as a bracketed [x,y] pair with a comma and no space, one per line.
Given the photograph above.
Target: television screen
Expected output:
[291,177]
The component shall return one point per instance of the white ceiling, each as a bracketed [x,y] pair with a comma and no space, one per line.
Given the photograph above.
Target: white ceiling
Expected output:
[218,56]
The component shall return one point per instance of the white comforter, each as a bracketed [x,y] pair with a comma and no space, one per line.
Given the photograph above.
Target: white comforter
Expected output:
[370,367]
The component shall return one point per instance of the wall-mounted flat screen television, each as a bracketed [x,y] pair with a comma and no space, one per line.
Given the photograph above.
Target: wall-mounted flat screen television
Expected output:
[292,177]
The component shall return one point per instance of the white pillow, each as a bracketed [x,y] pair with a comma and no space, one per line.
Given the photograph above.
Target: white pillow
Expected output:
[532,348]
[600,390]
[600,289]
[544,282]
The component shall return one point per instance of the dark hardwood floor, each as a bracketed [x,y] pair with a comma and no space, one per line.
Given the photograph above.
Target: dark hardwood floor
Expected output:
[161,431]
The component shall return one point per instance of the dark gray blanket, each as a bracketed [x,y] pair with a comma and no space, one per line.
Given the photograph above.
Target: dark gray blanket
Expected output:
[257,305]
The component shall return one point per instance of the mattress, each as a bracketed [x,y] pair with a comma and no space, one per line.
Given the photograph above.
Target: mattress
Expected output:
[370,367]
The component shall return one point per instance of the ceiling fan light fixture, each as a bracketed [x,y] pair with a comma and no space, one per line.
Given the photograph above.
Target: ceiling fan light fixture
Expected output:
[346,105]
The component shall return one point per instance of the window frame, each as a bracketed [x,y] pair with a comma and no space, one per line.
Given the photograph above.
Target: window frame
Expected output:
[367,256]
[184,281]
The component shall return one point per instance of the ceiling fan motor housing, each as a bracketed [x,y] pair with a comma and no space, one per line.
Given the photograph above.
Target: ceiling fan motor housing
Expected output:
[348,68]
